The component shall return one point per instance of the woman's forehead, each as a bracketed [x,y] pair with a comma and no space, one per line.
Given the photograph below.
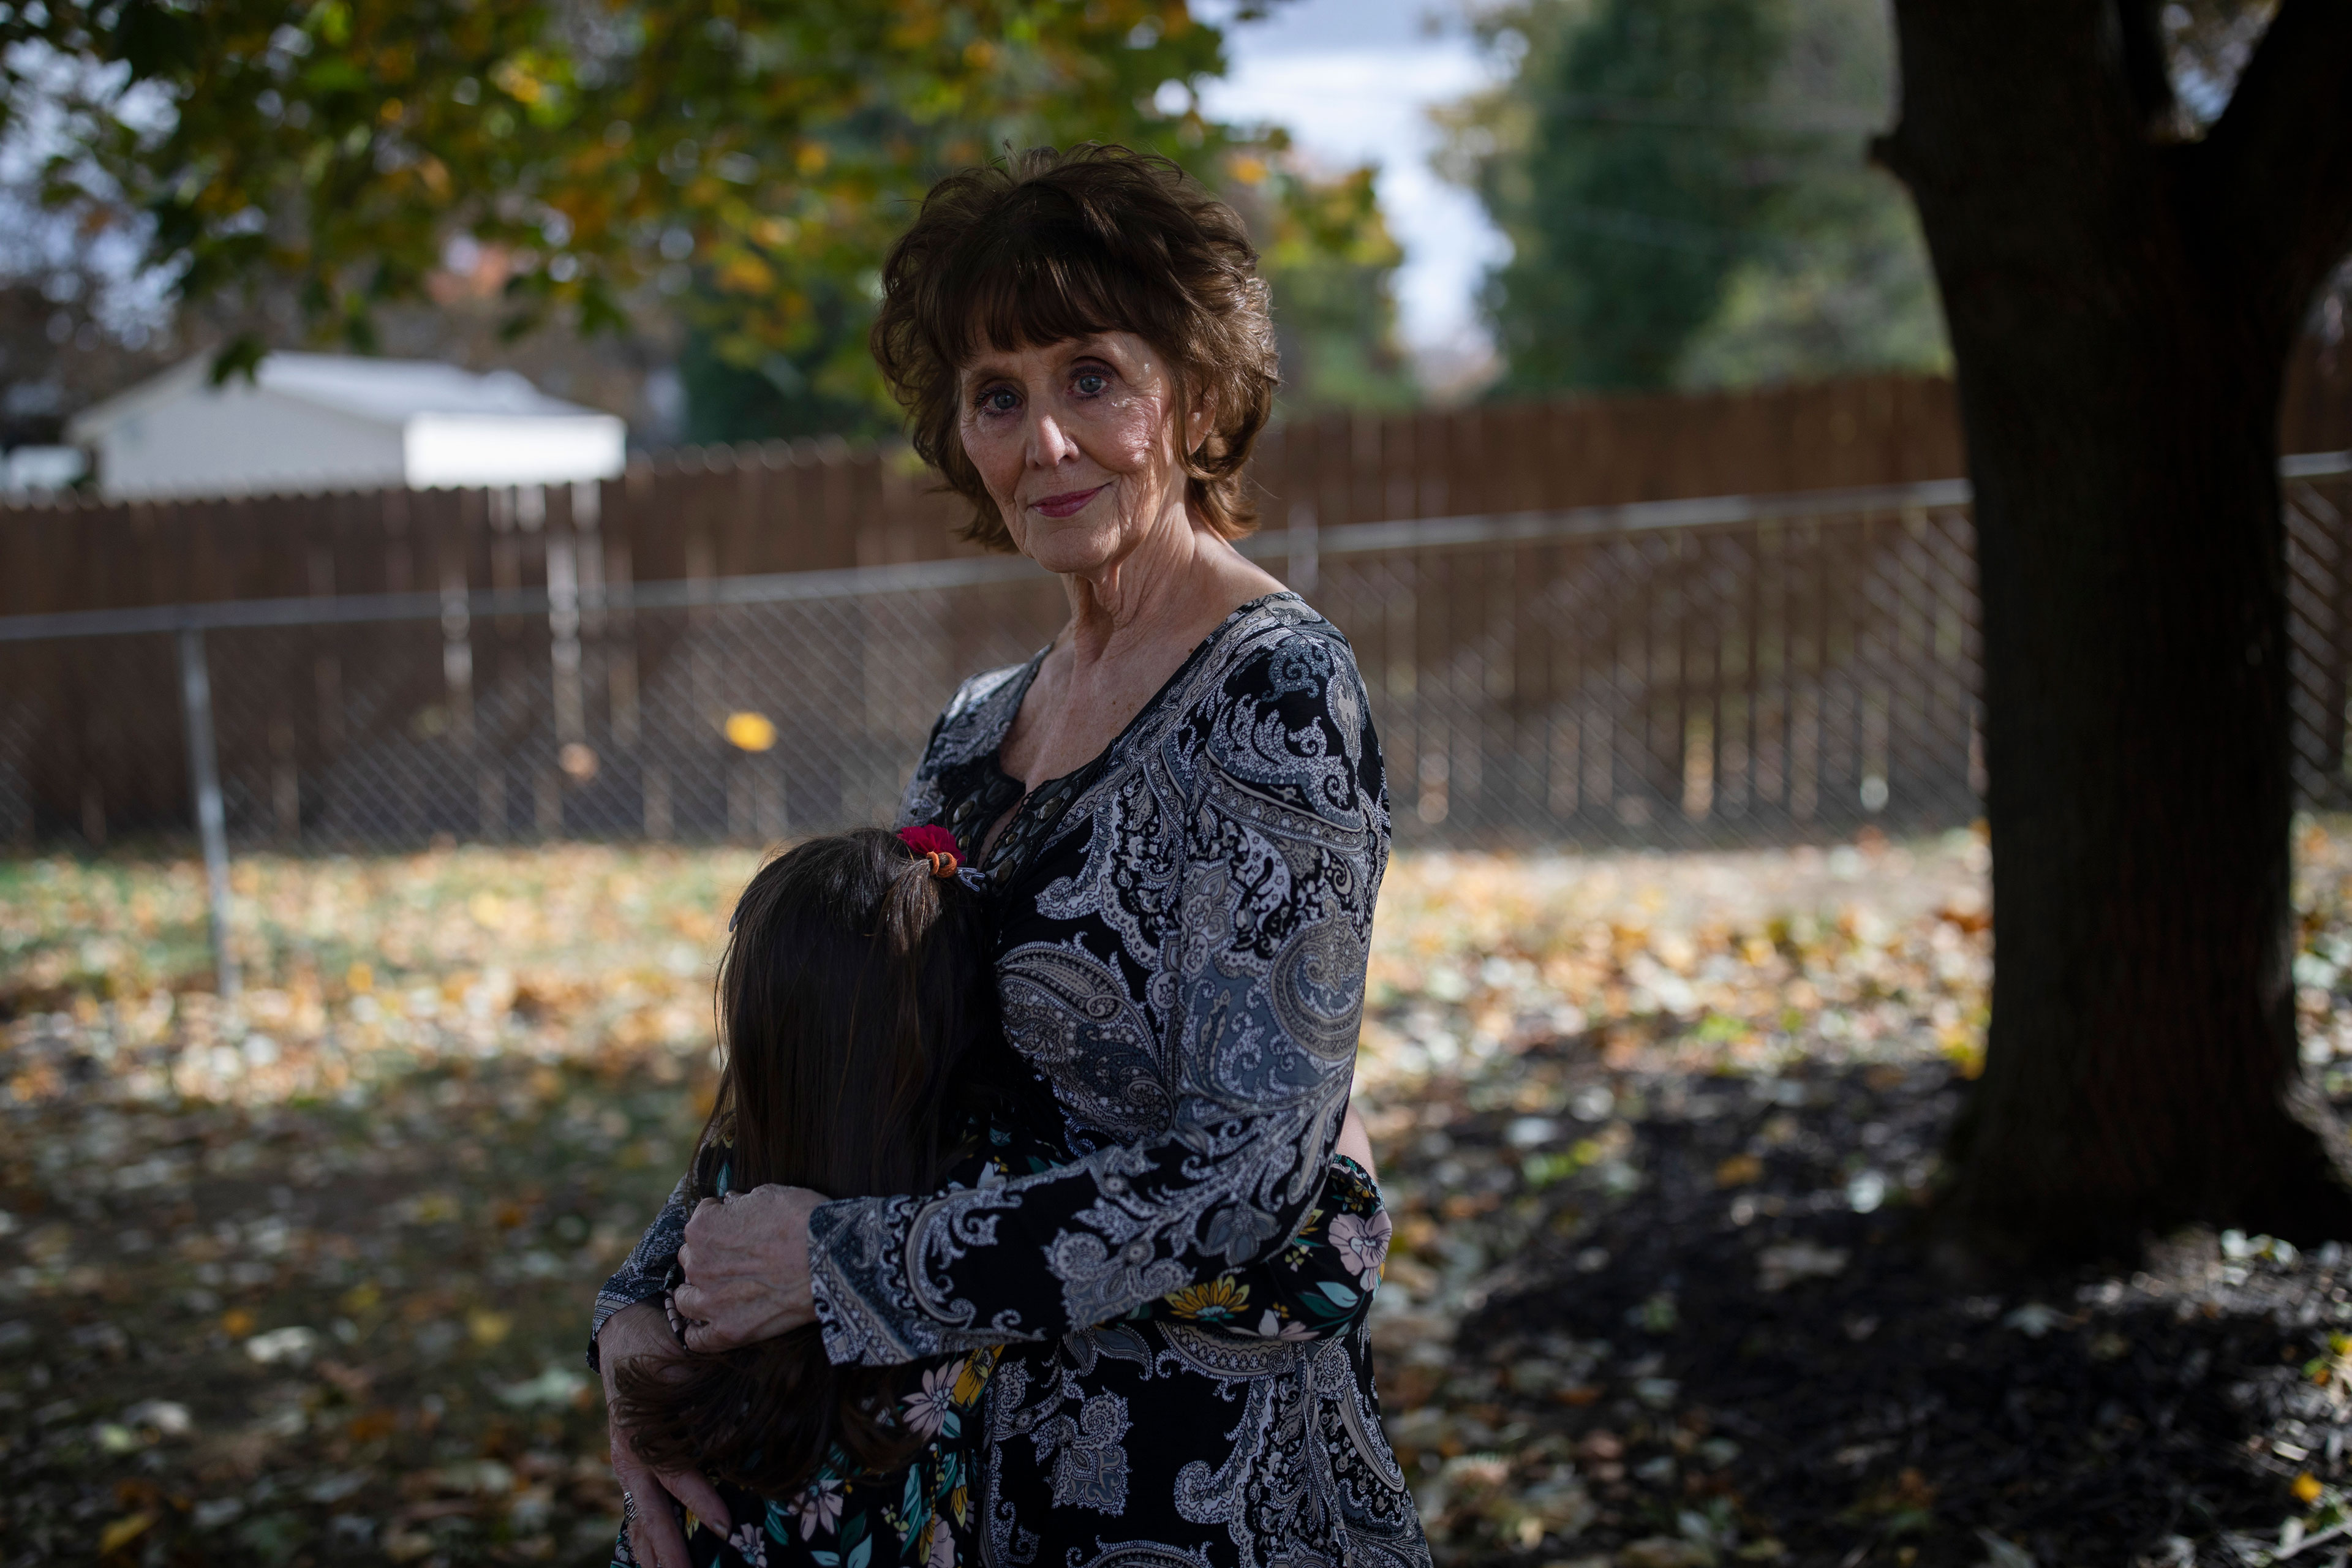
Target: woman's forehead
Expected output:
[1125,347]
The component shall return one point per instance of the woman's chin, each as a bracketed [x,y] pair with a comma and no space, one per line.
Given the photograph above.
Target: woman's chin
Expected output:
[1072,545]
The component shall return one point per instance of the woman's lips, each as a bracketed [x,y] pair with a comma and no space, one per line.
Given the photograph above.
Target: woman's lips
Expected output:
[1067,502]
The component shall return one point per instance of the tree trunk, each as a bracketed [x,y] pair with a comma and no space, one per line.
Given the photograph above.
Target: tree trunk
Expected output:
[2119,370]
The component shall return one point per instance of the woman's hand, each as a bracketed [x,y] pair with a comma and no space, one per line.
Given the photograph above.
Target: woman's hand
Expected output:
[747,1268]
[629,1335]
[1357,1144]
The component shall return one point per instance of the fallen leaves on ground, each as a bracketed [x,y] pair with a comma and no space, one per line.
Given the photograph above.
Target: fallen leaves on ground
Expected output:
[1657,1133]
[305,1278]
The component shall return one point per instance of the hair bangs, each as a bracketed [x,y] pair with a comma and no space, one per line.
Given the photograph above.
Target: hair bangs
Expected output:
[1018,290]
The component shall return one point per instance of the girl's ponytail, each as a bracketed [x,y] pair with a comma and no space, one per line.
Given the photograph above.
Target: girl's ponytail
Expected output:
[854,982]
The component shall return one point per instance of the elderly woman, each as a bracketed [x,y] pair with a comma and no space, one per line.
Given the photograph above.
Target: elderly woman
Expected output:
[1179,811]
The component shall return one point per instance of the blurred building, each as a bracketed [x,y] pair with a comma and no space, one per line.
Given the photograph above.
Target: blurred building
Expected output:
[41,471]
[322,422]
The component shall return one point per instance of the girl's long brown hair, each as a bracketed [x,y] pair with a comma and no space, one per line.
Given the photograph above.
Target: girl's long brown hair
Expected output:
[854,983]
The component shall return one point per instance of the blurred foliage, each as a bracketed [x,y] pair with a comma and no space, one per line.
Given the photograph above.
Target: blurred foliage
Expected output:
[1328,259]
[744,163]
[1684,186]
[1325,249]
[778,394]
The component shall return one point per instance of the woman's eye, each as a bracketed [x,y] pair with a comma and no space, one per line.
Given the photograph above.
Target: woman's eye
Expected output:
[999,400]
[1090,382]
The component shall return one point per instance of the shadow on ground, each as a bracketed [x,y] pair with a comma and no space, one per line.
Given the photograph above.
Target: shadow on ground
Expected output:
[1754,1356]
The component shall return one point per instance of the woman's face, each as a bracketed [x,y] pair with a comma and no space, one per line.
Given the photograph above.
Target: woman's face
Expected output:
[1077,442]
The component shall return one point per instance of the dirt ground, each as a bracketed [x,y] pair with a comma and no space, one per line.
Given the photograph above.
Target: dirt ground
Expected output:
[305,1280]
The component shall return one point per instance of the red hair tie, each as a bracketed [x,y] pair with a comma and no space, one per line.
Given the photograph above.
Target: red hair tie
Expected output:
[935,844]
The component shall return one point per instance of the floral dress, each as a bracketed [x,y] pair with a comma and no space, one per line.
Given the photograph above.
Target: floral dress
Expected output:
[1182,927]
[920,1514]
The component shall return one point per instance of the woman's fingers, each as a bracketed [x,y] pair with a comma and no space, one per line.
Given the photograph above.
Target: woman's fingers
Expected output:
[710,1337]
[686,1247]
[735,1310]
[693,1304]
[654,1530]
[654,1535]
[700,1497]
[747,1268]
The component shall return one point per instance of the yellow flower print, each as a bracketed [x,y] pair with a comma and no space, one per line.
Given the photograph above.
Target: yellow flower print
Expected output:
[1216,1300]
[977,1369]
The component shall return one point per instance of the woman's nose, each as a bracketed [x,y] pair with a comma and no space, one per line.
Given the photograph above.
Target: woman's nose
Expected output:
[1048,442]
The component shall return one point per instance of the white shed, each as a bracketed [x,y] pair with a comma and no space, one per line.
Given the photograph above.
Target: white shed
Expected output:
[322,422]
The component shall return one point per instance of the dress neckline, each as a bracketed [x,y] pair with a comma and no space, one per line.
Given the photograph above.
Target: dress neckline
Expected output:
[1060,790]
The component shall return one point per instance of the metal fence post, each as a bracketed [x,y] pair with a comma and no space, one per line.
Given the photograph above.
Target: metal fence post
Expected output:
[1301,546]
[212,821]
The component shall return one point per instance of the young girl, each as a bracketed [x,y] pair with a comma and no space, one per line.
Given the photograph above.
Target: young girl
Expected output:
[857,1012]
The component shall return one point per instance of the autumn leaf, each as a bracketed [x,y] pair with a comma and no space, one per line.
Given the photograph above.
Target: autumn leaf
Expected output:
[122,1532]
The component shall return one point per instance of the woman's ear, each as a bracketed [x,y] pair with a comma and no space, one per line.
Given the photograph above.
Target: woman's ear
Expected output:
[1200,424]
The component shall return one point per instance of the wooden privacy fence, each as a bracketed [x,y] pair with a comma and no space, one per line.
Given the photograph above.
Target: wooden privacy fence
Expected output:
[817,505]
[1564,636]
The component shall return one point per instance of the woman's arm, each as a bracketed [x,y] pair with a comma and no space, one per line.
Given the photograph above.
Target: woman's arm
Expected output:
[1318,1286]
[1239,864]
[645,1274]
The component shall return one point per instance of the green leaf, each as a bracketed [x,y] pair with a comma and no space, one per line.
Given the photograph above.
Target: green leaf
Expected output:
[791,141]
[242,356]
[334,75]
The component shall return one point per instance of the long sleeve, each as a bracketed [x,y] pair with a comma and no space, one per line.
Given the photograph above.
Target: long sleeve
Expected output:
[1192,987]
[1318,1286]
[645,1274]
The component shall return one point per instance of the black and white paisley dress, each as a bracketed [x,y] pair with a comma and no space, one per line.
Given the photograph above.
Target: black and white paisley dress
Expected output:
[1184,927]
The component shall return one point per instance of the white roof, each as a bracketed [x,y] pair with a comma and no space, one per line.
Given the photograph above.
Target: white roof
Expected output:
[382,390]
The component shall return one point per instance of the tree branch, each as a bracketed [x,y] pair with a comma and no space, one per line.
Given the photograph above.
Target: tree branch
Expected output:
[2276,171]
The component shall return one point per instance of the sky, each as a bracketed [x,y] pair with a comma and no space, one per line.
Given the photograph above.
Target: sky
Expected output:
[1352,81]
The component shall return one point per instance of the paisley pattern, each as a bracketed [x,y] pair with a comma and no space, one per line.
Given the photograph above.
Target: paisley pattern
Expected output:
[920,1514]
[1190,984]
[1182,933]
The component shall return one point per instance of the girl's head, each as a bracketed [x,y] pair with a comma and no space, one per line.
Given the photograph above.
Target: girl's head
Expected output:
[854,982]
[855,978]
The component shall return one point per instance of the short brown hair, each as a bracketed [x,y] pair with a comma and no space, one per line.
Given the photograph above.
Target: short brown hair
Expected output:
[1051,246]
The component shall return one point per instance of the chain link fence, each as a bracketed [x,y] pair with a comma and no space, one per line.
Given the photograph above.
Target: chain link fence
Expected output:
[1714,672]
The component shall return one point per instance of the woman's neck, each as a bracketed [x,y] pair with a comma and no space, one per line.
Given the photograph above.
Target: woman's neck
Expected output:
[1132,623]
[1176,575]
